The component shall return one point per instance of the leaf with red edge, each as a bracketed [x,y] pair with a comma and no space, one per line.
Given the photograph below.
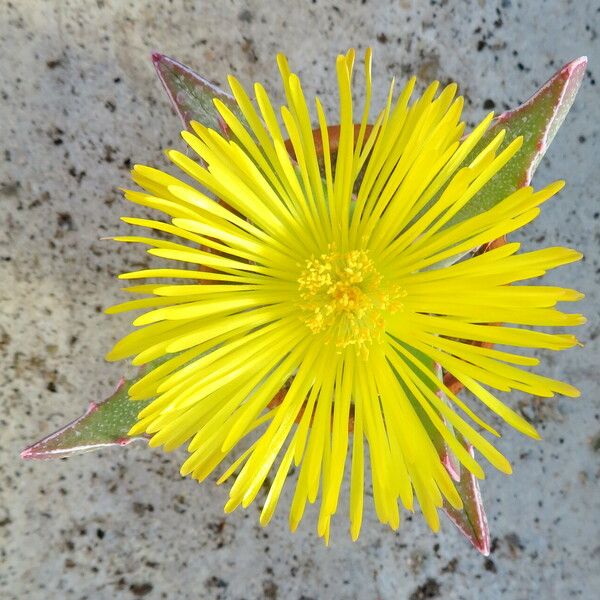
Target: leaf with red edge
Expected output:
[105,423]
[537,120]
[471,520]
[191,94]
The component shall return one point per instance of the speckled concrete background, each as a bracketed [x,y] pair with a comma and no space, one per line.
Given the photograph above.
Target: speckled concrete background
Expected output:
[80,104]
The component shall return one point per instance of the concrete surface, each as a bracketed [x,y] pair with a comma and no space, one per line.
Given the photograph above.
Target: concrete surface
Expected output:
[80,103]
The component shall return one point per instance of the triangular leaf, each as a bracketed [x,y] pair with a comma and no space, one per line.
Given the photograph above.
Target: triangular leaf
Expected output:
[191,94]
[104,424]
[537,120]
[471,520]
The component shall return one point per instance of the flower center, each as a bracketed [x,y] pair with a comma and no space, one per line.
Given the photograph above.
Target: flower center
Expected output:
[344,296]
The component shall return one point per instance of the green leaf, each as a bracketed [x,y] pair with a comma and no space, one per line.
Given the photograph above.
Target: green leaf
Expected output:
[191,94]
[471,520]
[105,423]
[537,120]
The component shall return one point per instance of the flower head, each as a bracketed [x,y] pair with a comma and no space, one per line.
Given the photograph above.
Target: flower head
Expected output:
[326,286]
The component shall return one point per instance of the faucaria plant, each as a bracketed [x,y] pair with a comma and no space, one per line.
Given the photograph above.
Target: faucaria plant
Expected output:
[328,287]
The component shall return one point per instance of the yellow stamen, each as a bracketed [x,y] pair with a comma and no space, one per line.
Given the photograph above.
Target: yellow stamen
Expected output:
[344,296]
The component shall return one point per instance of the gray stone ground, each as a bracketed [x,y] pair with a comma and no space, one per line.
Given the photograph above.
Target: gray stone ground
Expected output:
[80,103]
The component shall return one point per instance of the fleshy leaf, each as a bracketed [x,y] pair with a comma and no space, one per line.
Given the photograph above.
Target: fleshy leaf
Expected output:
[105,423]
[471,520]
[191,94]
[537,120]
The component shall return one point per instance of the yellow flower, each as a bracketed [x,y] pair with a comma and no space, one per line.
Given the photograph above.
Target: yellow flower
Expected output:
[323,299]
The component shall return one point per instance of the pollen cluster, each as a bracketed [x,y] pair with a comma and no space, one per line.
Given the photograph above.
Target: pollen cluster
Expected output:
[343,295]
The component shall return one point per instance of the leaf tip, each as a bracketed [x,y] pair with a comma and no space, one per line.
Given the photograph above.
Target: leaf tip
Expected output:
[483,545]
[577,65]
[28,453]
[157,57]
